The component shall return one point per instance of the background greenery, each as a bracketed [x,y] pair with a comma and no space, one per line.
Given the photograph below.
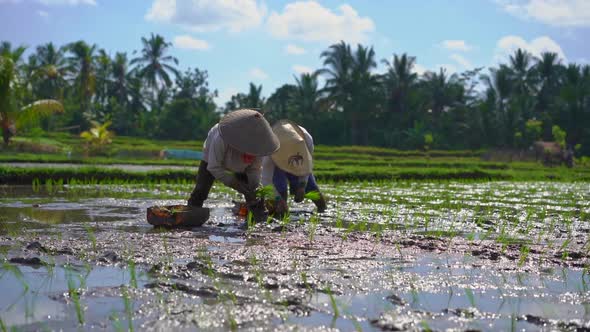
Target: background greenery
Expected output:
[146,95]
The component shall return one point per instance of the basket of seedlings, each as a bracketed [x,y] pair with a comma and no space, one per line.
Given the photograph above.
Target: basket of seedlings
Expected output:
[177,216]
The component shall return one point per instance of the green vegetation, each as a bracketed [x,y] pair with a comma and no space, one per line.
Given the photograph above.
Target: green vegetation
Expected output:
[97,175]
[508,106]
[342,163]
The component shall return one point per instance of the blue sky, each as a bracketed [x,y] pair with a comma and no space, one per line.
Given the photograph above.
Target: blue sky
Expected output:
[268,42]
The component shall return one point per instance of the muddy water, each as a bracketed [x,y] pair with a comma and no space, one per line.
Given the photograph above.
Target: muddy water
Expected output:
[401,256]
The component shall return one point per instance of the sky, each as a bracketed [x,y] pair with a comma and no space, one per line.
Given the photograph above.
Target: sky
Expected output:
[269,43]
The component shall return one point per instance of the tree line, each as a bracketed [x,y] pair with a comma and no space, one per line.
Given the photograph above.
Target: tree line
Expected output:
[526,99]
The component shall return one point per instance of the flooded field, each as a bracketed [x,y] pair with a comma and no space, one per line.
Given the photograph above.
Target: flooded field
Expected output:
[385,256]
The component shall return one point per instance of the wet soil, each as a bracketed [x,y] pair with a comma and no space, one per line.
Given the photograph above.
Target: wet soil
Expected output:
[391,257]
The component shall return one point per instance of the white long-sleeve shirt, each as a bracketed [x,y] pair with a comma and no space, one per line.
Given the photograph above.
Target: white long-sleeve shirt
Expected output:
[222,160]
[268,166]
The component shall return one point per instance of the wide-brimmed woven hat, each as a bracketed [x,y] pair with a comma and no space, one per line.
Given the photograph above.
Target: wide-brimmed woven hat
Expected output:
[248,131]
[293,156]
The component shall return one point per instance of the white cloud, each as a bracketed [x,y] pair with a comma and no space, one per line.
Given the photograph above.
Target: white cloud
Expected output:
[225,95]
[190,43]
[461,60]
[419,69]
[258,74]
[294,49]
[67,2]
[43,14]
[310,21]
[456,45]
[300,69]
[506,46]
[567,13]
[208,15]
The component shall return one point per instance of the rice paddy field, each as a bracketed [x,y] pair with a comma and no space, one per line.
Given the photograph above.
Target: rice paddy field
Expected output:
[452,255]
[437,241]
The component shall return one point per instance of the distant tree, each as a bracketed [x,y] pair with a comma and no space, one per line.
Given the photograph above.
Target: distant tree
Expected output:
[191,112]
[499,90]
[307,99]
[399,80]
[103,67]
[14,53]
[338,64]
[351,87]
[154,66]
[281,104]
[524,81]
[50,71]
[81,65]
[119,84]
[13,116]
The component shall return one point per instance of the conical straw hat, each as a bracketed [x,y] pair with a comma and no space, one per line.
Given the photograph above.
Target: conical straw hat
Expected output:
[293,156]
[248,131]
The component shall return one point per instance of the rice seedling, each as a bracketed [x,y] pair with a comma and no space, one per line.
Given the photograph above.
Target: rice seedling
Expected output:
[470,297]
[305,283]
[128,307]
[312,195]
[74,295]
[132,273]
[314,221]
[17,273]
[250,223]
[266,192]
[116,322]
[335,311]
[285,220]
[91,237]
[425,326]
[255,263]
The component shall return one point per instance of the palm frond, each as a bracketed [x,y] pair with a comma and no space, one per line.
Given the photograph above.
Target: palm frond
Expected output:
[31,114]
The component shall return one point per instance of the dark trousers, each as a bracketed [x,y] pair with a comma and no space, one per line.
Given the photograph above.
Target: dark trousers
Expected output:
[204,183]
[282,179]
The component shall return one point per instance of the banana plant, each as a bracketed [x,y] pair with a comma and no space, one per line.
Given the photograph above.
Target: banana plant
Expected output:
[13,117]
[98,136]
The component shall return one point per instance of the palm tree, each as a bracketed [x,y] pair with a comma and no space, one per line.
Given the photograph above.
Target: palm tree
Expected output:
[254,97]
[136,104]
[338,64]
[366,93]
[12,115]
[499,90]
[443,91]
[523,78]
[280,104]
[351,86]
[399,80]
[521,64]
[120,78]
[50,71]
[82,67]
[153,65]
[307,98]
[574,96]
[15,54]
[103,77]
[549,70]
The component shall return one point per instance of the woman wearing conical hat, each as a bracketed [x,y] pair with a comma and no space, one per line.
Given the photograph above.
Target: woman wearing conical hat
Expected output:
[232,154]
[290,167]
